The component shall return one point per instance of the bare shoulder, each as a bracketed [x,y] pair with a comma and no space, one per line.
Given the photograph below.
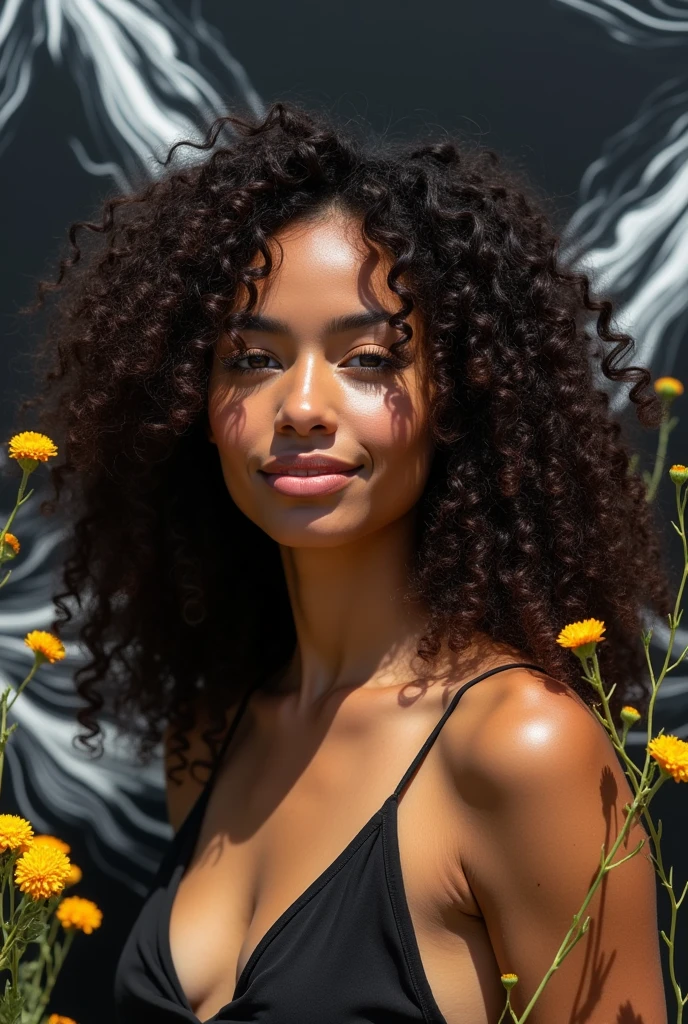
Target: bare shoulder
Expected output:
[540,791]
[521,723]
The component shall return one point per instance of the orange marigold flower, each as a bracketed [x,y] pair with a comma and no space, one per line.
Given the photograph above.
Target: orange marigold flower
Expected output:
[75,873]
[678,473]
[57,844]
[56,1018]
[31,445]
[509,980]
[578,634]
[75,876]
[45,645]
[16,833]
[671,754]
[42,872]
[75,912]
[12,542]
[669,386]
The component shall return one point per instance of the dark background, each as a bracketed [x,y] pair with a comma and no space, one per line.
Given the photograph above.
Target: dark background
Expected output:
[540,82]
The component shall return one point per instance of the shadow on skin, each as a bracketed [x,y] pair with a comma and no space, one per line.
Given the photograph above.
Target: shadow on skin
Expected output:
[595,963]
[627,1015]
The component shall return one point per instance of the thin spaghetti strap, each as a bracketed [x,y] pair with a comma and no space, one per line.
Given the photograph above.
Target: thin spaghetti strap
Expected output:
[234,724]
[450,707]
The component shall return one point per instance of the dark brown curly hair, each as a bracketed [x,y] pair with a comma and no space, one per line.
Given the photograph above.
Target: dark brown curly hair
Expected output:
[531,518]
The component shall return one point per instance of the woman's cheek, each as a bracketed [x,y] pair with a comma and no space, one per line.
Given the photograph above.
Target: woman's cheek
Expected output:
[390,422]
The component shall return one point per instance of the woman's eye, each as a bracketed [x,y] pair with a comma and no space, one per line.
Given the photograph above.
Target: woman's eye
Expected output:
[369,361]
[252,361]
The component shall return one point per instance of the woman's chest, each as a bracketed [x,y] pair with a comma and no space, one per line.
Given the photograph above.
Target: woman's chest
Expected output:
[314,883]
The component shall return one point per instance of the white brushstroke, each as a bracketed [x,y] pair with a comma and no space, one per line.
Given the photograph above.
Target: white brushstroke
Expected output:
[147,75]
[637,25]
[56,784]
[630,231]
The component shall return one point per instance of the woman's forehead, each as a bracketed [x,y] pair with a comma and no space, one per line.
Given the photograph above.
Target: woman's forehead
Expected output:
[325,266]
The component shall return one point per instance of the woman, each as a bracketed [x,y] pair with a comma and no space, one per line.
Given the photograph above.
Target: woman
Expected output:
[336,460]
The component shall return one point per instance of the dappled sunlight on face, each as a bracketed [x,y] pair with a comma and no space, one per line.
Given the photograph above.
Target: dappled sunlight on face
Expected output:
[319,378]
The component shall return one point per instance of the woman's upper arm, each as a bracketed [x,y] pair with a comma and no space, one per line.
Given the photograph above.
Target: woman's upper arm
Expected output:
[546,791]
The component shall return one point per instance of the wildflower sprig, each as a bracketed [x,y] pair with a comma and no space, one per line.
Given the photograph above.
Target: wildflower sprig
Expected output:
[666,757]
[668,389]
[35,870]
[29,448]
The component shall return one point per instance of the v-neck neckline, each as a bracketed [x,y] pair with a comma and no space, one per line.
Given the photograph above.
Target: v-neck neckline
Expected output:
[373,823]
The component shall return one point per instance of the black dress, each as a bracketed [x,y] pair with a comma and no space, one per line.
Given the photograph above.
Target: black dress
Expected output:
[344,952]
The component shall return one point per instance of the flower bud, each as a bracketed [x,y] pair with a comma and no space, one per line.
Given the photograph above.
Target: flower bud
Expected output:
[629,715]
[668,387]
[678,474]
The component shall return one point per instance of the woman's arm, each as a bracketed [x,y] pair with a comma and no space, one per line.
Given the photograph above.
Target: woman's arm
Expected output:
[543,788]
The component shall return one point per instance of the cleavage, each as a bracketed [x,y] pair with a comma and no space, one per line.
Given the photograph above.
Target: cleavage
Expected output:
[232,888]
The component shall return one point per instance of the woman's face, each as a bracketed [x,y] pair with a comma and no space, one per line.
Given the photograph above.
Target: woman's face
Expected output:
[322,440]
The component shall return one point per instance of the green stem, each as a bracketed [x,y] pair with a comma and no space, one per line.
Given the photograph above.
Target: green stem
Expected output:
[44,962]
[509,1007]
[673,622]
[38,660]
[20,501]
[665,428]
[6,707]
[60,954]
[574,935]
[21,498]
[667,883]
[14,959]
[3,732]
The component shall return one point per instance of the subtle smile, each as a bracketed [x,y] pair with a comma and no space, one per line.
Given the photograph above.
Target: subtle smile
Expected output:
[308,476]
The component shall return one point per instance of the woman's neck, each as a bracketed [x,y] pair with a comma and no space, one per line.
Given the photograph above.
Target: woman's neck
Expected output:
[353,621]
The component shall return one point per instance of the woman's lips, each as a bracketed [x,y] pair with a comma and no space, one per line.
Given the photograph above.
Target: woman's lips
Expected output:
[309,481]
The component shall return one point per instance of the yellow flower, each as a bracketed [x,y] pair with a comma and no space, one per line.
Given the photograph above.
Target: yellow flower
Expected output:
[630,715]
[42,872]
[678,473]
[75,872]
[668,386]
[56,1018]
[509,980]
[45,645]
[57,844]
[15,833]
[12,542]
[671,754]
[75,912]
[75,876]
[31,445]
[583,634]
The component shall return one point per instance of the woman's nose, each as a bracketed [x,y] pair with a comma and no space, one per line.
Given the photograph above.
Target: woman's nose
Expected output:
[307,398]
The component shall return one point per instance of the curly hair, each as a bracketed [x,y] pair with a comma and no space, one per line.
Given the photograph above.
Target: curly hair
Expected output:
[532,516]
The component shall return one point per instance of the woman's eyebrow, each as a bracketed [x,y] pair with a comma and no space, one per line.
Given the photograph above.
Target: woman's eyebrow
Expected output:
[346,322]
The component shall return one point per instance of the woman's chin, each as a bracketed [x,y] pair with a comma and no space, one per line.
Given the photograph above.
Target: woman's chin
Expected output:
[307,529]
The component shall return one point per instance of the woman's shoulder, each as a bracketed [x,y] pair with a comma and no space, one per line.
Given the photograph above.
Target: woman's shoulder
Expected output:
[518,723]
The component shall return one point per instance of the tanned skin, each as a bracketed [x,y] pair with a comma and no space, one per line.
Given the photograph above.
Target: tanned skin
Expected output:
[501,828]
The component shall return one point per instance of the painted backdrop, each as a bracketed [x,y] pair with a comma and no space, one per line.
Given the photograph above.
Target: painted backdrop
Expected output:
[590,96]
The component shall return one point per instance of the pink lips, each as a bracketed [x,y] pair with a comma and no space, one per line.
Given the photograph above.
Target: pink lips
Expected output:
[308,475]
